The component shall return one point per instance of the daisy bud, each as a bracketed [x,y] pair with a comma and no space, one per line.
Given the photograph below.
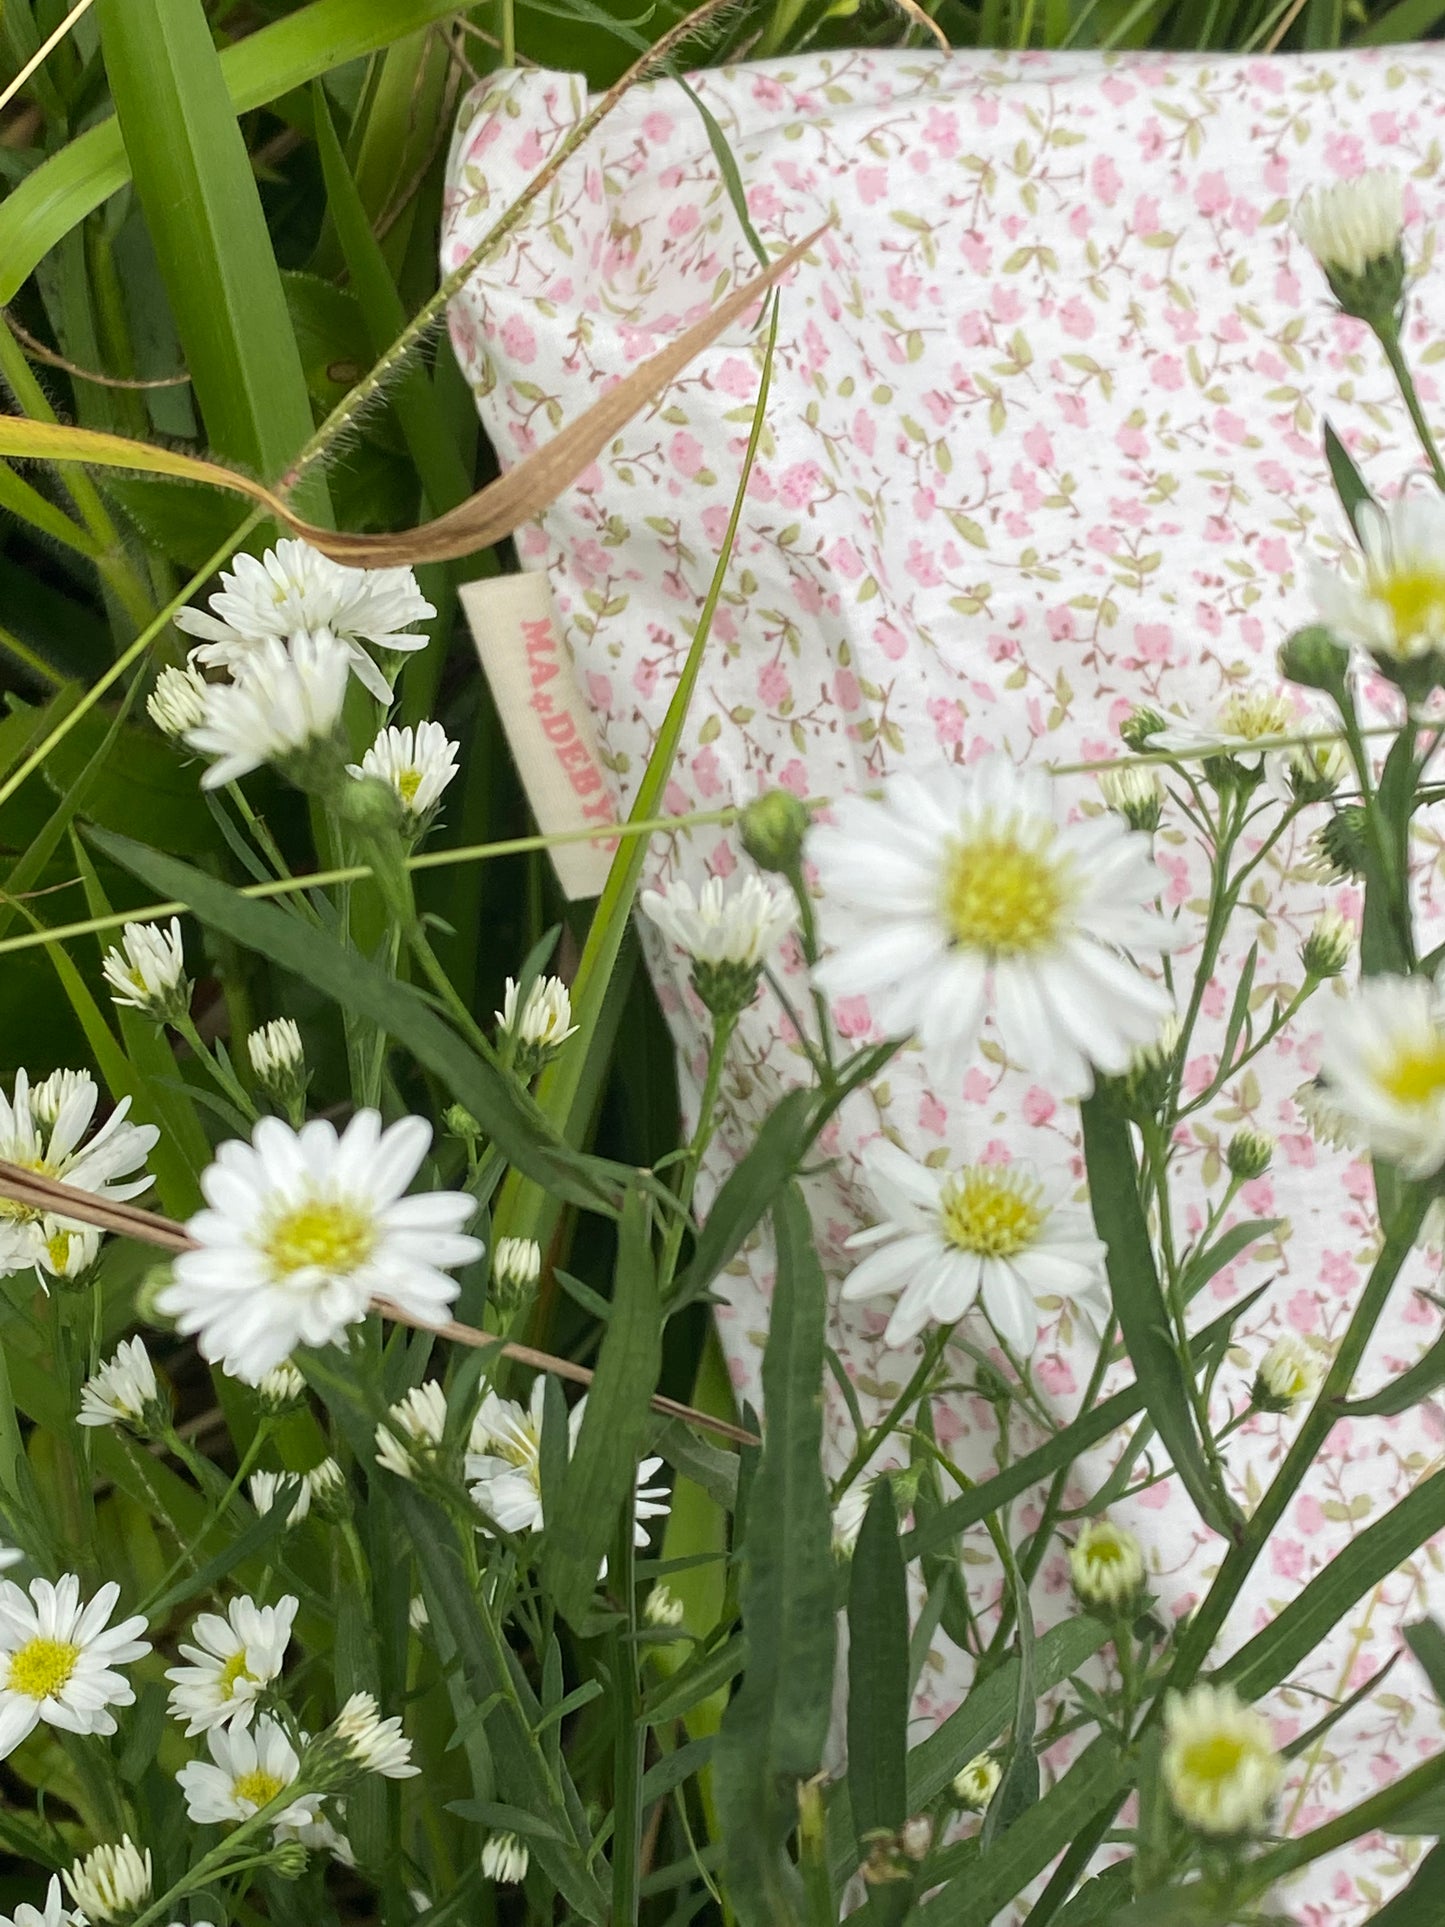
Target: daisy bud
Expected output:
[286,1489]
[1287,1373]
[457,1121]
[111,1882]
[1221,1770]
[1328,947]
[1355,231]
[412,1431]
[729,935]
[1313,658]
[1326,1121]
[367,1742]
[1134,791]
[773,827]
[288,1859]
[281,1390]
[148,972]
[50,1096]
[1337,848]
[516,1267]
[915,1837]
[123,1392]
[504,1859]
[417,1616]
[178,701]
[540,1024]
[1106,1565]
[976,1785]
[1314,770]
[1248,1153]
[848,1518]
[662,1607]
[328,1490]
[278,1060]
[1138,726]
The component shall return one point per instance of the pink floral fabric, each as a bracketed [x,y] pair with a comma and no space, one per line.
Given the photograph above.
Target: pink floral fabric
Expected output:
[1043,443]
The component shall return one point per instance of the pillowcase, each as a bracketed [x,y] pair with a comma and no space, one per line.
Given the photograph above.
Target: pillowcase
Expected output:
[1043,443]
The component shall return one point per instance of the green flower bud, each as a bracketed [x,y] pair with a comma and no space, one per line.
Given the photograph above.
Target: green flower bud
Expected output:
[1328,947]
[1314,659]
[1249,1152]
[458,1121]
[1139,725]
[1339,845]
[773,827]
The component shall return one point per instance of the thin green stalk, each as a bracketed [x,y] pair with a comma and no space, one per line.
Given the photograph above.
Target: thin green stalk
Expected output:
[629,1733]
[927,1365]
[722,1036]
[1389,339]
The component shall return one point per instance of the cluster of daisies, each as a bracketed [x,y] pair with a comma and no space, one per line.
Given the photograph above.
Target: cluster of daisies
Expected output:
[283,638]
[60,1665]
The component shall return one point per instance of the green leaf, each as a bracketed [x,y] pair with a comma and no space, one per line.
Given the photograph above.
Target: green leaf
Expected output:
[773,1732]
[507,1116]
[602,1470]
[1425,1376]
[1426,1640]
[1201,1266]
[1417,1905]
[1019,1788]
[748,1192]
[878,1692]
[203,211]
[1350,485]
[1060,1451]
[260,67]
[1372,1555]
[1139,1304]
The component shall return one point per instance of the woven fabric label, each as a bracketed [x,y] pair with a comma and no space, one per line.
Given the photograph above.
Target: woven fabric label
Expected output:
[549,728]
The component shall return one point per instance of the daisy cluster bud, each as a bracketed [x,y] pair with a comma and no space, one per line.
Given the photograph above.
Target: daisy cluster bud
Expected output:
[1106,1565]
[504,1859]
[516,1268]
[1248,1153]
[537,1025]
[1134,791]
[1314,770]
[1355,230]
[773,827]
[1146,1081]
[358,1741]
[278,1060]
[663,1607]
[111,1883]
[178,701]
[1139,726]
[977,1783]
[328,1491]
[1287,1373]
[281,1390]
[1328,947]
[148,972]
[1315,660]
[288,1859]
[1339,845]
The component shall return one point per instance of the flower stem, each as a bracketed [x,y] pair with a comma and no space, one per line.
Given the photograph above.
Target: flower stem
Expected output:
[1389,339]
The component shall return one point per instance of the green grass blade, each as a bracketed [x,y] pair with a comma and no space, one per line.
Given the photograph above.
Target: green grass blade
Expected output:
[204,214]
[262,67]
[772,1735]
[878,1673]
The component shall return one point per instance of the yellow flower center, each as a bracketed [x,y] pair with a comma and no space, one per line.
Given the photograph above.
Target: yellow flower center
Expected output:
[992,1211]
[1214,1759]
[16,1213]
[257,1786]
[1254,713]
[42,1667]
[1104,1552]
[234,1670]
[324,1234]
[1416,1073]
[408,782]
[1415,599]
[1004,894]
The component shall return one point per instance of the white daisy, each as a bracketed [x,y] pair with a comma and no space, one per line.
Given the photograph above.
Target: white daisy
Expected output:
[412,1429]
[961,894]
[282,702]
[1288,1373]
[504,1461]
[1391,600]
[278,1057]
[178,701]
[541,1022]
[372,1743]
[1221,1770]
[1236,727]
[1351,224]
[54,1913]
[50,1095]
[294,590]
[234,1659]
[148,971]
[1106,1564]
[1383,1070]
[305,1228]
[59,1149]
[123,1391]
[416,763]
[949,1237]
[64,1248]
[111,1881]
[284,1488]
[722,926]
[250,1769]
[57,1659]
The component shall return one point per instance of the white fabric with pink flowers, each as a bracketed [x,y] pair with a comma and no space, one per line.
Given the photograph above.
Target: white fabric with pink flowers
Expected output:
[1043,443]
